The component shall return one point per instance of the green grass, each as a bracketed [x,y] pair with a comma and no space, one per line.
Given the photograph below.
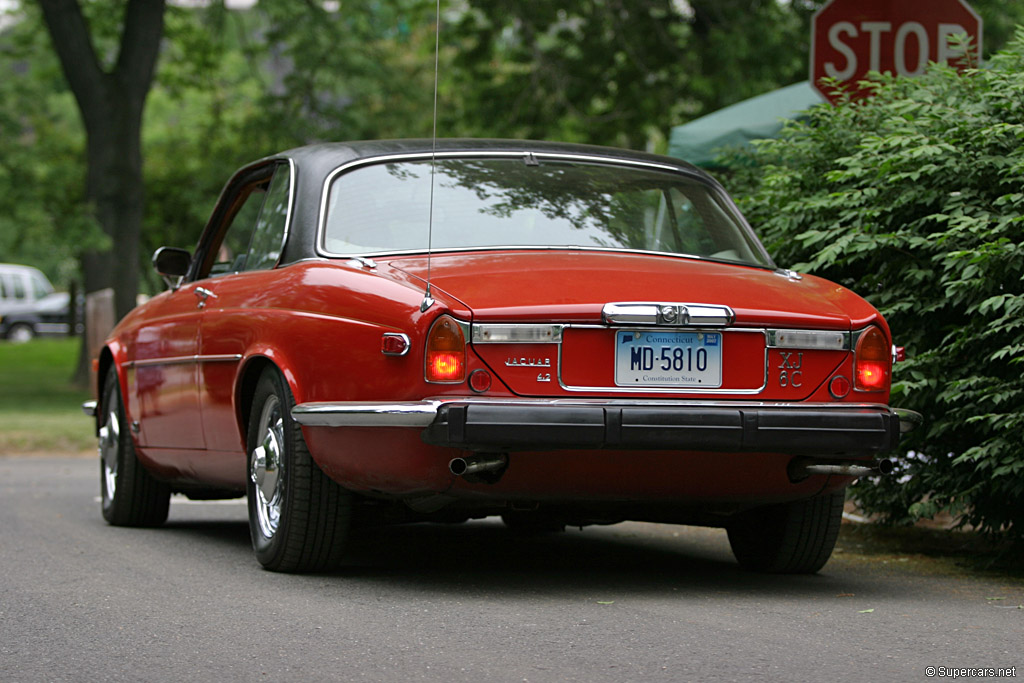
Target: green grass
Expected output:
[40,411]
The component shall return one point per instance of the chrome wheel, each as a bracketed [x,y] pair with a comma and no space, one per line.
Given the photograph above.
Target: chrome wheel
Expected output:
[266,468]
[110,439]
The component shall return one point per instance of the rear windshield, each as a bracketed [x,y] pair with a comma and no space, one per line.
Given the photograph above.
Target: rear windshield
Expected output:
[490,203]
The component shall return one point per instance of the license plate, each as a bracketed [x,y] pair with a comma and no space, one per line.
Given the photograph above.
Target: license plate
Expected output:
[647,358]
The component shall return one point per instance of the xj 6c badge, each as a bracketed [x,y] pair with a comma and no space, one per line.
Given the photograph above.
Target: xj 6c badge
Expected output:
[789,370]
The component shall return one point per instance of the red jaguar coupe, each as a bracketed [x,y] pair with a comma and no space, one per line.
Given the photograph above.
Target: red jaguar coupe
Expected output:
[553,333]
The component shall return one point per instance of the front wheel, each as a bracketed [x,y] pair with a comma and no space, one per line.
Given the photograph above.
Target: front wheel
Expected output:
[792,538]
[298,517]
[130,495]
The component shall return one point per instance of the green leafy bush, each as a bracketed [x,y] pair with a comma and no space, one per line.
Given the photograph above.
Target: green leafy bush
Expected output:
[915,199]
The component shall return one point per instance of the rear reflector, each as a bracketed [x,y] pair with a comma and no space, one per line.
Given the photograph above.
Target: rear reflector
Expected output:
[839,387]
[480,381]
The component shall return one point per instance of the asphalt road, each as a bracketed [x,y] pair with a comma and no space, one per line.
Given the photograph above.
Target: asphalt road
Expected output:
[81,601]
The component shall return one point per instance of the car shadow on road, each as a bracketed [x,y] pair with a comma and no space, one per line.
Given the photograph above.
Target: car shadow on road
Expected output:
[485,558]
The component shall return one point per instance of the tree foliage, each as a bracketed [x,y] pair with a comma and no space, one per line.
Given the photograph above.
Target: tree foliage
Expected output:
[44,218]
[914,198]
[609,71]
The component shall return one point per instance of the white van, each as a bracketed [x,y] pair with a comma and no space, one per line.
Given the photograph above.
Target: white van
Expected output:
[28,304]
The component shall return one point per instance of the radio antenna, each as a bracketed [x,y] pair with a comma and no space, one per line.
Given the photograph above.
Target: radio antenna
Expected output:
[428,301]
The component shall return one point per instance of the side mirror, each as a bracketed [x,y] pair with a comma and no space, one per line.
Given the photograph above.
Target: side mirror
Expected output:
[172,264]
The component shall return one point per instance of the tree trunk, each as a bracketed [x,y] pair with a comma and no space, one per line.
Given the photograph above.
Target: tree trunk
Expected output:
[111,105]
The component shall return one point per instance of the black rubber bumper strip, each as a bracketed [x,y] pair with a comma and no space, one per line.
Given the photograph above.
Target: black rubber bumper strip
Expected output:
[827,433]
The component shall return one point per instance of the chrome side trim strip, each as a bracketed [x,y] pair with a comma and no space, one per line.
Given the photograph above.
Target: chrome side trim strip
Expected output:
[183,360]
[149,362]
[488,333]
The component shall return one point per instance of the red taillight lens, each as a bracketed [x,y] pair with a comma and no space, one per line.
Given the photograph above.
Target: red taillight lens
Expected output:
[873,361]
[446,352]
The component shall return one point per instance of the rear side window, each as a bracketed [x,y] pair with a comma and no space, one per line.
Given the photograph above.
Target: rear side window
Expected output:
[231,255]
[255,237]
[268,237]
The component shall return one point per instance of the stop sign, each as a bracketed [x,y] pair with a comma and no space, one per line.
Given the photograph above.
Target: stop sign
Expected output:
[849,38]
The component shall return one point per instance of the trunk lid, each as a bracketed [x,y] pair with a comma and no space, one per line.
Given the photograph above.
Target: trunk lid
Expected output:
[572,288]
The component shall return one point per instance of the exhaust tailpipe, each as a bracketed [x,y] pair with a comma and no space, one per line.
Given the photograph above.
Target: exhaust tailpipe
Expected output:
[478,464]
[801,470]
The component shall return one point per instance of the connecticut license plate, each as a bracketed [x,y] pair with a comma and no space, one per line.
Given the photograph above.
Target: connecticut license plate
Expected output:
[647,358]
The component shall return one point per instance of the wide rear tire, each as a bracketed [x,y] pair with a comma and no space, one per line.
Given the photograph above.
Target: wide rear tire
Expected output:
[793,538]
[299,519]
[130,495]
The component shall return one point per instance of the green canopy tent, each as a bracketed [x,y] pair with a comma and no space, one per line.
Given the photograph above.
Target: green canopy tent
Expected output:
[736,125]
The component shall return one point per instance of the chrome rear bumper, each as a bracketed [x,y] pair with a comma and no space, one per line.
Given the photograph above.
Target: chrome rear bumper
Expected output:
[827,430]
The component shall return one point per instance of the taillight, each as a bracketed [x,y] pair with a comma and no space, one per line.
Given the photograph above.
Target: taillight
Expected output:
[872,362]
[446,352]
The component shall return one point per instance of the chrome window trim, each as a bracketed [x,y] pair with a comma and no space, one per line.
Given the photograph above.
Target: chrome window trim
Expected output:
[525,155]
[291,207]
[666,390]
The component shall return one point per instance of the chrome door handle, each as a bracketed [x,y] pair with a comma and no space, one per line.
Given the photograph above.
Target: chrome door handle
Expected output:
[203,293]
